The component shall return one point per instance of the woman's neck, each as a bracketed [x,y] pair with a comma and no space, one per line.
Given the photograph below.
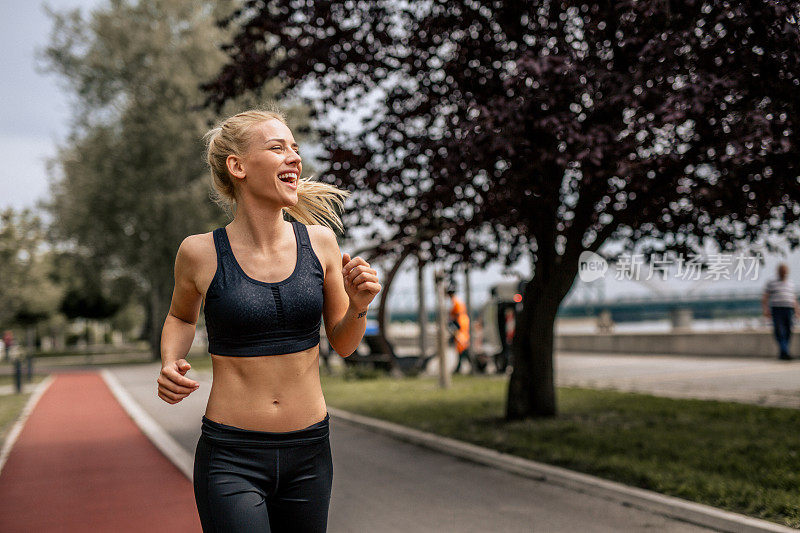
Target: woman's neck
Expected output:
[262,227]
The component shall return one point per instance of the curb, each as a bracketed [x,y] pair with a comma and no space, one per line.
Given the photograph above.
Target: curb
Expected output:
[16,429]
[684,510]
[162,440]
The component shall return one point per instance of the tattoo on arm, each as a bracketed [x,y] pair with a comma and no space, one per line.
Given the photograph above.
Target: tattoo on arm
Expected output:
[362,313]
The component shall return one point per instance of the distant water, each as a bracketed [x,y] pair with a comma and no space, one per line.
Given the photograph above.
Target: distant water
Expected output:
[664,326]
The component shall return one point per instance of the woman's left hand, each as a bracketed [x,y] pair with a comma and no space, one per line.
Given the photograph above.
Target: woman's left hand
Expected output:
[360,282]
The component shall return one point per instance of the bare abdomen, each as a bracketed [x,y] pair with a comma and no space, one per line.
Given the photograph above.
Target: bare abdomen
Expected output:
[267,393]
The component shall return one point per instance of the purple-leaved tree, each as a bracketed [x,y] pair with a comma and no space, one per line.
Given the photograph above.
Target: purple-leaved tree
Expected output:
[492,129]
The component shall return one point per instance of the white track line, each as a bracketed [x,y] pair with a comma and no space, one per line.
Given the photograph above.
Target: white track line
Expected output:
[23,417]
[160,438]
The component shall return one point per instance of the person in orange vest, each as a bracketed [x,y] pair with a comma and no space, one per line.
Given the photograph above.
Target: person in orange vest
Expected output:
[459,324]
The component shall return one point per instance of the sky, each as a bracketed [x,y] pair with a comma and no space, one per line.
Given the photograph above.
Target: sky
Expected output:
[35,109]
[35,117]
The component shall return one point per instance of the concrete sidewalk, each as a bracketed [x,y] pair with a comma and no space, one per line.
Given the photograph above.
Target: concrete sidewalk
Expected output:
[80,463]
[757,381]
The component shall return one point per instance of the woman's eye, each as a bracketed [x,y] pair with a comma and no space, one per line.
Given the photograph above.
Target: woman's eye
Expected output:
[297,150]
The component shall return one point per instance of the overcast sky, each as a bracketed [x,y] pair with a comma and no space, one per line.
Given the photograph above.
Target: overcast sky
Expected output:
[35,111]
[35,118]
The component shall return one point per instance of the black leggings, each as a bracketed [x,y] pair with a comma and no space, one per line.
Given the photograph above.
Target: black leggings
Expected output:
[253,481]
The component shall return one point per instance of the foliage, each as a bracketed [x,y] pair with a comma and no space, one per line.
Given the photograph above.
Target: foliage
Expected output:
[129,319]
[132,181]
[499,112]
[506,128]
[359,372]
[91,292]
[132,177]
[29,291]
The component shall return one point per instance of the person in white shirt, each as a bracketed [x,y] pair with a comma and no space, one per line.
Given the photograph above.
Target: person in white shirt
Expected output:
[780,303]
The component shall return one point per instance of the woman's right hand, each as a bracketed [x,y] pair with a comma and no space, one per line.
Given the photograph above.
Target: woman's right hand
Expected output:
[173,385]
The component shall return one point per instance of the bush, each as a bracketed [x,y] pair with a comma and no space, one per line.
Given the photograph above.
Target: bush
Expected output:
[358,372]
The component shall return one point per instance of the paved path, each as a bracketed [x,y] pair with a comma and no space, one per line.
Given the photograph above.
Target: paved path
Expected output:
[758,381]
[81,464]
[384,485]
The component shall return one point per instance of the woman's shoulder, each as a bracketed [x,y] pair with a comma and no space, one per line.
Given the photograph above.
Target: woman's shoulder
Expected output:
[323,241]
[322,235]
[198,243]
[195,250]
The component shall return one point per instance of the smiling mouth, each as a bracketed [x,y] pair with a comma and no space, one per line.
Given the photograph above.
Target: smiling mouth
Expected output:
[288,177]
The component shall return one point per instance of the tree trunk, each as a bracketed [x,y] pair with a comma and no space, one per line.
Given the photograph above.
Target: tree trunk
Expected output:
[441,335]
[382,307]
[422,312]
[158,309]
[473,359]
[531,390]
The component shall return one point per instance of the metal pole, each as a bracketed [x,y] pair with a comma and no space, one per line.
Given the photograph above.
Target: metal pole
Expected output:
[18,375]
[441,344]
[468,303]
[422,314]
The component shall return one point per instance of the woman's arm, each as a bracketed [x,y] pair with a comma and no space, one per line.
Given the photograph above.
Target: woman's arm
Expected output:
[179,326]
[350,285]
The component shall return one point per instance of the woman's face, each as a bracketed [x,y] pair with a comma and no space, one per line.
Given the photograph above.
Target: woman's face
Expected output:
[272,165]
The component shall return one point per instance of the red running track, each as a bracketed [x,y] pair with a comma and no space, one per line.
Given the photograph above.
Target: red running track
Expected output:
[81,464]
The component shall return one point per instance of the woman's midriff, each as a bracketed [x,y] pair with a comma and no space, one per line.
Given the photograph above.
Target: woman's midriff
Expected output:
[267,393]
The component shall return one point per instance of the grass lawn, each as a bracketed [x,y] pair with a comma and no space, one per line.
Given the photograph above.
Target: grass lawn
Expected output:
[9,380]
[200,361]
[11,406]
[733,456]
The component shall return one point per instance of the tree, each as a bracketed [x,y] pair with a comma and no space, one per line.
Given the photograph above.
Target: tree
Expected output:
[30,291]
[132,179]
[547,128]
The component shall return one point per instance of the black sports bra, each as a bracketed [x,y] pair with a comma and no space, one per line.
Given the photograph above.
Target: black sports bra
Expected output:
[246,317]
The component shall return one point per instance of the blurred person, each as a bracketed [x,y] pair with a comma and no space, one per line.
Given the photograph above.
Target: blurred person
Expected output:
[780,303]
[509,326]
[263,461]
[502,321]
[8,344]
[477,349]
[459,325]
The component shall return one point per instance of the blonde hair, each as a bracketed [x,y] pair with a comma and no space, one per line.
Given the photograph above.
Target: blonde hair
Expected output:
[318,203]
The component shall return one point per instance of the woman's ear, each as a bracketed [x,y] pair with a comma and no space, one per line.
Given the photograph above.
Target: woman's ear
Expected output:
[235,166]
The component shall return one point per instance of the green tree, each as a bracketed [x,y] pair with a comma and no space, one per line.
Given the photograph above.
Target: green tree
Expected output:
[131,177]
[29,292]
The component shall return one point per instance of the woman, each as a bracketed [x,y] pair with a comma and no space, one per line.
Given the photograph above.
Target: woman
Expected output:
[263,461]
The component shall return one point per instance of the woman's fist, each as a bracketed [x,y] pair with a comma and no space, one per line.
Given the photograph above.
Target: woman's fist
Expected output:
[360,281]
[173,385]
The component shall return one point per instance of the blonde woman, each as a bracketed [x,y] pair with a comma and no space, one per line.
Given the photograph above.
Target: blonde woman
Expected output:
[263,461]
